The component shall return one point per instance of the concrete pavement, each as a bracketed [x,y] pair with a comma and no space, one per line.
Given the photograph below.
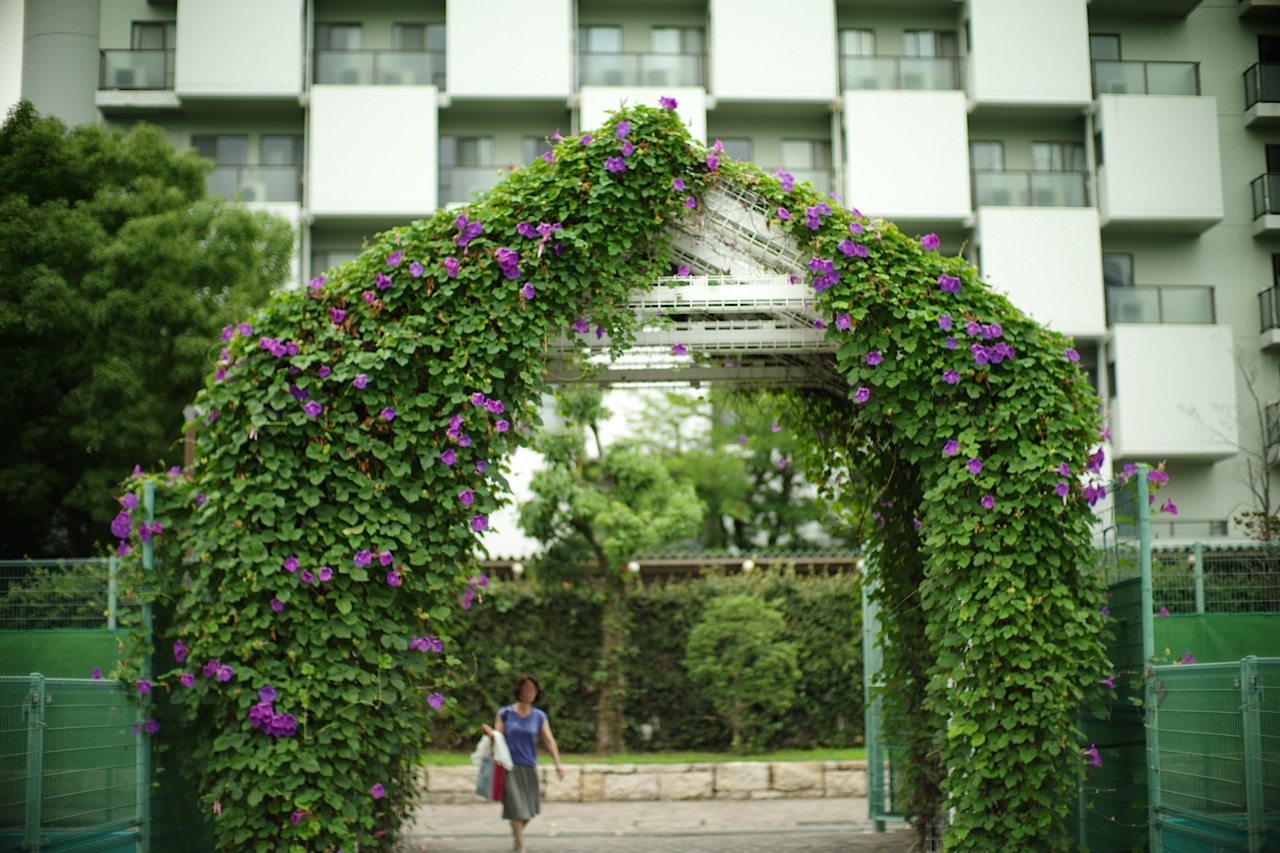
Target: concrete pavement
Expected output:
[777,825]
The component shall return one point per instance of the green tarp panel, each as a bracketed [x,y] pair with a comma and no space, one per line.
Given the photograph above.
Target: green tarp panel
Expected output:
[59,653]
[1217,637]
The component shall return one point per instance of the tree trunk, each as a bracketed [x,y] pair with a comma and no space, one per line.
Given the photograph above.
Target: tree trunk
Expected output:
[610,711]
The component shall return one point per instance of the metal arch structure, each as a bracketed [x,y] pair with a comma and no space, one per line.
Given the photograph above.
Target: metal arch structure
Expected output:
[743,314]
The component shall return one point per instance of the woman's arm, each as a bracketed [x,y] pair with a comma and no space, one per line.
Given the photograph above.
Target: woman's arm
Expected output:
[550,740]
[498,725]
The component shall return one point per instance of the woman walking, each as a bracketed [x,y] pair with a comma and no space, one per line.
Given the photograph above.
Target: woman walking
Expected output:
[523,724]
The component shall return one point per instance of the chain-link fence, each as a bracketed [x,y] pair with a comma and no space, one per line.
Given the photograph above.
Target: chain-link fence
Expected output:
[58,594]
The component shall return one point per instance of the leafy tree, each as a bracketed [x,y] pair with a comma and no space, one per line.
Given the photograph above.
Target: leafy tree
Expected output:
[740,452]
[750,672]
[115,274]
[594,515]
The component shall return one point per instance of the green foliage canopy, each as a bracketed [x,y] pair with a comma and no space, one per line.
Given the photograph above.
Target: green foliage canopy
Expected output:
[115,275]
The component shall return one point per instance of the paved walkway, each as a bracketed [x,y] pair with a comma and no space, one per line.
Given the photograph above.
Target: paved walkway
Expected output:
[695,826]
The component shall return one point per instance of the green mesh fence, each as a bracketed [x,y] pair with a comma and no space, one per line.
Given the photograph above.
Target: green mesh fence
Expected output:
[1214,742]
[1199,579]
[69,777]
[46,594]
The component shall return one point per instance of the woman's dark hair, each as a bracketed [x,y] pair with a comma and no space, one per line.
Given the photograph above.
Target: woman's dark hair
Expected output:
[525,678]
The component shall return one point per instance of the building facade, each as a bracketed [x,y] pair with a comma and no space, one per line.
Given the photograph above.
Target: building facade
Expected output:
[1112,165]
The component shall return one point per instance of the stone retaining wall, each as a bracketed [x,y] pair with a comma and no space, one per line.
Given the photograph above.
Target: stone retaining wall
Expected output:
[734,780]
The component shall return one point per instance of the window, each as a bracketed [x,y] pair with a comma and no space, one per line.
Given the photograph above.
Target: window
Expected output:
[987,156]
[601,39]
[1275,271]
[680,40]
[337,36]
[466,150]
[857,43]
[1117,269]
[930,43]
[1104,47]
[418,37]
[1273,158]
[154,35]
[281,150]
[223,150]
[1057,157]
[737,149]
[535,147]
[323,260]
[806,153]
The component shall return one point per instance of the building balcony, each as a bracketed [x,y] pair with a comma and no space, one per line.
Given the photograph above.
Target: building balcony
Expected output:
[458,184]
[135,69]
[641,69]
[1265,190]
[1258,9]
[1145,78]
[899,72]
[1030,189]
[1160,303]
[1262,94]
[253,184]
[823,180]
[1269,313]
[380,68]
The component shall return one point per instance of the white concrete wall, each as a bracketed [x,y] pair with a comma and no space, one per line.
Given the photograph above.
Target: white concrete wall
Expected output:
[1161,158]
[1049,263]
[10,55]
[595,102]
[239,47]
[509,48]
[766,49]
[907,154]
[373,150]
[1027,52]
[1175,394]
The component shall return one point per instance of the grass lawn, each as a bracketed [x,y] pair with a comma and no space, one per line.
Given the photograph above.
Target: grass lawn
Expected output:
[447,759]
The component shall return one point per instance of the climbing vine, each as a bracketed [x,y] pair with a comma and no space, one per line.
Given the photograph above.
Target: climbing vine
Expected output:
[352,442]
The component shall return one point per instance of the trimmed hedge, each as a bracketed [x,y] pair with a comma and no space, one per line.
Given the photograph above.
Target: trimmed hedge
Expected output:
[555,634]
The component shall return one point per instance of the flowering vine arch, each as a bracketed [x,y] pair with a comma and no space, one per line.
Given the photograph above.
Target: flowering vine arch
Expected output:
[353,446]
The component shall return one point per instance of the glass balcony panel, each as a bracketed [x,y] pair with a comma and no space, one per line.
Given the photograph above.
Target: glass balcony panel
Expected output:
[1186,304]
[1133,304]
[256,183]
[1119,78]
[1172,78]
[1269,80]
[344,67]
[459,183]
[936,73]
[869,72]
[410,68]
[137,69]
[1058,189]
[1269,309]
[1000,189]
[671,69]
[1266,194]
[641,69]
[609,69]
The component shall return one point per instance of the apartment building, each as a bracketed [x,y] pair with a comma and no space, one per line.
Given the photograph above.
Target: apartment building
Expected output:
[1113,165]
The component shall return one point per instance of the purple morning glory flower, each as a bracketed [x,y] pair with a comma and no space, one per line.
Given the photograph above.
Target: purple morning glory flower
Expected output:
[581,326]
[1091,755]
[951,342]
[435,700]
[267,694]
[378,791]
[382,281]
[502,426]
[468,230]
[1064,469]
[144,687]
[1109,681]
[393,259]
[464,441]
[782,462]
[508,262]
[862,395]
[944,322]
[852,249]
[225,673]
[1164,611]
[667,103]
[950,377]
[228,332]
[677,184]
[615,164]
[843,321]
[855,227]
[363,557]
[477,399]
[690,203]
[312,408]
[416,269]
[393,578]
[987,502]
[121,525]
[974,465]
[873,358]
[276,604]
[1156,477]
[449,456]
[201,497]
[290,564]
[481,465]
[628,149]
[306,576]
[187,679]
[451,267]
[385,558]
[784,214]
[96,674]
[467,496]
[713,162]
[389,414]
[951,448]
[1170,507]
[361,380]
[819,324]
[1071,354]
[337,314]
[930,241]
[679,349]
[787,180]
[949,283]
[623,128]
[972,328]
[479,522]
[179,651]
[325,574]
[1062,489]
[129,500]
[527,291]
[980,354]
[324,371]
[585,140]
[152,726]
[683,270]
[494,406]
[1190,658]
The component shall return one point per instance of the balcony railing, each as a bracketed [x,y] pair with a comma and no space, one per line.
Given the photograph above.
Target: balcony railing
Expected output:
[459,183]
[900,72]
[1273,424]
[135,69]
[256,183]
[1266,194]
[380,68]
[1113,77]
[1160,303]
[641,69]
[1030,189]
[1269,308]
[1262,84]
[822,179]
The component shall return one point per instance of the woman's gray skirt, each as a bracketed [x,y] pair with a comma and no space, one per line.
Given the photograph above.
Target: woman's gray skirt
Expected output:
[520,797]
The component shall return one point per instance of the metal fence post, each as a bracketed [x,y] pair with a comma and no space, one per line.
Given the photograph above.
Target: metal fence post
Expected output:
[1251,729]
[113,566]
[144,737]
[1144,566]
[1151,698]
[33,710]
[1197,572]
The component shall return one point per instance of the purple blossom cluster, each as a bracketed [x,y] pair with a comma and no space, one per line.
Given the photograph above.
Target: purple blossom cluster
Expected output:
[429,643]
[827,276]
[508,262]
[468,230]
[814,213]
[475,583]
[263,716]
